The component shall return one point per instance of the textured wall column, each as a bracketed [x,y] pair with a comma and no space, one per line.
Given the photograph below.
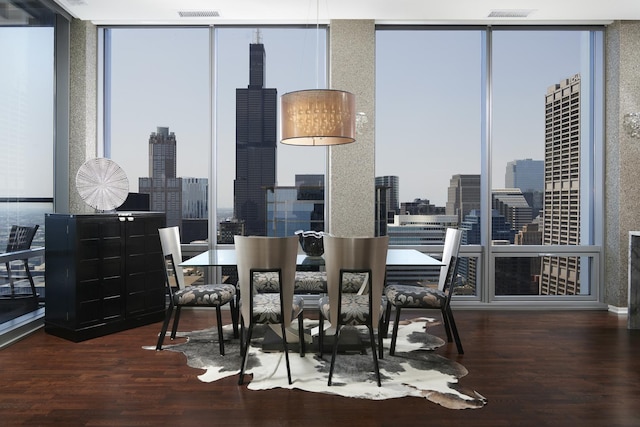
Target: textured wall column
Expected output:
[622,167]
[351,170]
[82,105]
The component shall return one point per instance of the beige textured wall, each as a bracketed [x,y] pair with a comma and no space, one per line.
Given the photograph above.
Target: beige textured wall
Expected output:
[82,105]
[351,200]
[622,171]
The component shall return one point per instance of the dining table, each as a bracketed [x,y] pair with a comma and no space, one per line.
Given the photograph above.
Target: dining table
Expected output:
[397,258]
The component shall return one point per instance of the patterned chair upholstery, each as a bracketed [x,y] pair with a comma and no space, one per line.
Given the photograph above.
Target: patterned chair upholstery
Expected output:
[418,296]
[307,282]
[266,276]
[347,303]
[210,295]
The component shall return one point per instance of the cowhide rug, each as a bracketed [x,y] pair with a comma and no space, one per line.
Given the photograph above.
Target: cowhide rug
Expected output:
[414,370]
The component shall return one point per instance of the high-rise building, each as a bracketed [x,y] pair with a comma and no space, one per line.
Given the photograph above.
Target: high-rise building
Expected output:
[463,195]
[296,208]
[511,204]
[392,183]
[561,218]
[526,174]
[501,233]
[420,207]
[162,185]
[256,144]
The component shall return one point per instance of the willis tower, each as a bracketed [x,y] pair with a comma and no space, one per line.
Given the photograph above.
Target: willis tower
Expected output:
[256,143]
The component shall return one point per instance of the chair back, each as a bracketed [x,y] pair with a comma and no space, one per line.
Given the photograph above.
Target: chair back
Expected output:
[266,253]
[355,253]
[451,248]
[170,241]
[20,237]
[452,279]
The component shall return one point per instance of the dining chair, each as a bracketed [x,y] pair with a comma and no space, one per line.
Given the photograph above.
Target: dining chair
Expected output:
[20,238]
[348,305]
[268,301]
[180,295]
[427,296]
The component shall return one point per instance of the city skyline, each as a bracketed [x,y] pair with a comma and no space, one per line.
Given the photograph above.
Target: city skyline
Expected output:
[291,66]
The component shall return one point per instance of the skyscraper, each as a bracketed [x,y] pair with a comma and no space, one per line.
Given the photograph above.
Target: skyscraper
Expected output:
[256,114]
[527,175]
[392,182]
[511,204]
[561,218]
[162,185]
[184,200]
[463,195]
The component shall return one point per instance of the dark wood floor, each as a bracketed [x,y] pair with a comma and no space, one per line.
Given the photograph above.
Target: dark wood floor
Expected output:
[577,368]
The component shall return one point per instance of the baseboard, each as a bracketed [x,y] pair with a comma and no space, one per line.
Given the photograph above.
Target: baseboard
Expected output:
[620,311]
[16,329]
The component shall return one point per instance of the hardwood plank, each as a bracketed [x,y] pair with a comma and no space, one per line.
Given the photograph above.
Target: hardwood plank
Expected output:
[535,368]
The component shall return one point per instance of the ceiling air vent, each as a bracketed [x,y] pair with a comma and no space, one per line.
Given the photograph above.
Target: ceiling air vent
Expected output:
[510,13]
[199,14]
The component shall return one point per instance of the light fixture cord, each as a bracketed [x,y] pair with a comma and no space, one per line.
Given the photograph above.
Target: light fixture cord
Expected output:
[317,42]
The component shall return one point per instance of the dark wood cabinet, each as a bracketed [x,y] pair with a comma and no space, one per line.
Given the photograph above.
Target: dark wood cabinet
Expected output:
[104,273]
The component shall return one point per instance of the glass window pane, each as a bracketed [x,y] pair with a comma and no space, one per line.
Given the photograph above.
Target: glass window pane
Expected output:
[251,163]
[543,275]
[536,134]
[160,122]
[26,144]
[428,130]
[542,164]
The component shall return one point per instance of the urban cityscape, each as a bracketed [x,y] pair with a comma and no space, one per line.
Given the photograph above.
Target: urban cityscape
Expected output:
[540,204]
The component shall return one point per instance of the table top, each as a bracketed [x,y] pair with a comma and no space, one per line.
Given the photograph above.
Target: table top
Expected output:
[395,257]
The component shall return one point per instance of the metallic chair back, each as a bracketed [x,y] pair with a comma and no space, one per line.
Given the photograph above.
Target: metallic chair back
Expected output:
[266,253]
[451,248]
[170,242]
[355,253]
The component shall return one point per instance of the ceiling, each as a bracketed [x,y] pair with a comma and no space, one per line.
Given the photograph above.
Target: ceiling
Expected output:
[167,12]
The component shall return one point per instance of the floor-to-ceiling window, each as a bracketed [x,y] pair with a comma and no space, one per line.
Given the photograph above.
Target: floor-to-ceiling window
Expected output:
[546,131]
[497,132]
[26,141]
[429,135]
[192,116]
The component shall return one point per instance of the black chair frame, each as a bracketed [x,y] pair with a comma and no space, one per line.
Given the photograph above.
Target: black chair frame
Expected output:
[447,315]
[245,336]
[20,238]
[176,317]
[338,327]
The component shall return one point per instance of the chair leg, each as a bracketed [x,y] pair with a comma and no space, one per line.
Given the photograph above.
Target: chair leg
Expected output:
[374,353]
[394,334]
[165,326]
[10,279]
[220,334]
[234,317]
[244,351]
[176,319]
[447,324]
[454,329]
[386,319]
[380,327]
[286,350]
[30,277]
[321,336]
[336,337]
[302,344]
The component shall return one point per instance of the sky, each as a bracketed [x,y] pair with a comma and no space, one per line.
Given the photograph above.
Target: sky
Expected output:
[26,97]
[429,99]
